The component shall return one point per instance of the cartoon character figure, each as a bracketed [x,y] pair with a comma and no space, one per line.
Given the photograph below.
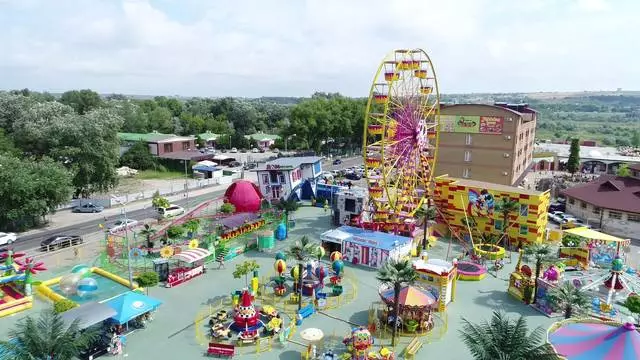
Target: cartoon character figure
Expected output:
[374,258]
[481,203]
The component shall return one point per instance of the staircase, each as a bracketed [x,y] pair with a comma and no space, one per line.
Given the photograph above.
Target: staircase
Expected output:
[221,254]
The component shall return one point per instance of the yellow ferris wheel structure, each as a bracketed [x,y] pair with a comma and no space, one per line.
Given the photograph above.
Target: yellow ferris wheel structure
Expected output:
[400,141]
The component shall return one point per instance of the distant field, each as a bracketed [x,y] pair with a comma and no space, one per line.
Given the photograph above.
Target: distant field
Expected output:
[158,175]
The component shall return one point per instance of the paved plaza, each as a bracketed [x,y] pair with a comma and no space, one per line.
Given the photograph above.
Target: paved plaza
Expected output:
[173,333]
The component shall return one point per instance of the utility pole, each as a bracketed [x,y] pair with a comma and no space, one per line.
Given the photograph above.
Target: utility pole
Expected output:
[186,182]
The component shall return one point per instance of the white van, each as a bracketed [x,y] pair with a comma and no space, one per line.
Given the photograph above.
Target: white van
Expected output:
[171,211]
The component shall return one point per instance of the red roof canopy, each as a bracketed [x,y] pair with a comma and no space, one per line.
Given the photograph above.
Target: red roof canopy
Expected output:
[609,192]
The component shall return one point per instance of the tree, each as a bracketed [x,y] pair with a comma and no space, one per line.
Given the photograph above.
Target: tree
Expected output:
[506,207]
[6,145]
[569,297]
[158,201]
[82,101]
[247,267]
[502,338]
[30,190]
[287,206]
[47,337]
[147,280]
[301,250]
[426,213]
[623,171]
[192,226]
[175,232]
[541,253]
[635,139]
[227,208]
[396,274]
[148,233]
[63,305]
[138,157]
[161,120]
[633,304]
[573,163]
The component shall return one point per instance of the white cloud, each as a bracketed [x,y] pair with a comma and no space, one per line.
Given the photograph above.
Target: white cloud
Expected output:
[280,47]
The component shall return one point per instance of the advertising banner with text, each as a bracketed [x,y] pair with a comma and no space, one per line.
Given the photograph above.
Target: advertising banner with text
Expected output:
[491,125]
[467,124]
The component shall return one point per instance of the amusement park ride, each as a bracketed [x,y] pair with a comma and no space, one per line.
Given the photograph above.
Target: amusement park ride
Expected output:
[400,141]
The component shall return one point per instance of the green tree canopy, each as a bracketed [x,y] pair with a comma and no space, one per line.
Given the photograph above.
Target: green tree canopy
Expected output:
[82,101]
[573,163]
[139,157]
[623,171]
[30,190]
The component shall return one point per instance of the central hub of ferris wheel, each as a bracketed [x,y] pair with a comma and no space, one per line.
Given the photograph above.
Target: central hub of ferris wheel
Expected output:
[400,140]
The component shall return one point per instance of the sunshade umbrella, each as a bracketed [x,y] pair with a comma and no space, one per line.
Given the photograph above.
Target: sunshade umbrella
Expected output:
[593,340]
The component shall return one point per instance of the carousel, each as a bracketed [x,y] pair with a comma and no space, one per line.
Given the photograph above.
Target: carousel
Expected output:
[414,310]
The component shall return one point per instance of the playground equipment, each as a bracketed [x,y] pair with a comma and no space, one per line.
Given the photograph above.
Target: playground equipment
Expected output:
[16,279]
[521,281]
[440,277]
[359,343]
[244,195]
[400,140]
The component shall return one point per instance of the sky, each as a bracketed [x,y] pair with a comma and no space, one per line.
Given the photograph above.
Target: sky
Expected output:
[255,48]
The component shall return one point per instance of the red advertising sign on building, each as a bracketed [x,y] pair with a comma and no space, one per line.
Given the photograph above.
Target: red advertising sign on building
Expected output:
[491,125]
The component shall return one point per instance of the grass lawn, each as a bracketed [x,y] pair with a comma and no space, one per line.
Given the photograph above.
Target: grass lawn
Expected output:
[161,175]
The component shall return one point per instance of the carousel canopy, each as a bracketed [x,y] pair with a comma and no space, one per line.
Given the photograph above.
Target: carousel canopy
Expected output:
[192,255]
[593,235]
[410,296]
[594,340]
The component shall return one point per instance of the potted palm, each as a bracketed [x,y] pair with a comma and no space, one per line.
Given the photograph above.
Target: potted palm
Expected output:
[568,297]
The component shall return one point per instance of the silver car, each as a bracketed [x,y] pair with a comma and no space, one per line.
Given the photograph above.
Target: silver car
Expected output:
[88,208]
[120,225]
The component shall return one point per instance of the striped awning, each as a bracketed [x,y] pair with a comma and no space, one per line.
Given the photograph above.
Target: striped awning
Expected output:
[192,255]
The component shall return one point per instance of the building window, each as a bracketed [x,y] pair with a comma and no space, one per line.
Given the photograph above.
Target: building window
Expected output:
[524,229]
[572,201]
[265,178]
[615,215]
[467,155]
[282,179]
[524,210]
[273,177]
[467,139]
[583,204]
[186,145]
[596,210]
[634,218]
[498,225]
[168,147]
[466,173]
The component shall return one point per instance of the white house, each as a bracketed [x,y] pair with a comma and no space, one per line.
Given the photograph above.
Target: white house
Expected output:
[283,177]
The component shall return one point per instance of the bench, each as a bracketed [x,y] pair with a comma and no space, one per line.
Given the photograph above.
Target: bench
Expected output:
[413,347]
[219,350]
[306,311]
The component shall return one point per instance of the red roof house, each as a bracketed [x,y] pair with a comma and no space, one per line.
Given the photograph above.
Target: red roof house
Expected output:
[609,192]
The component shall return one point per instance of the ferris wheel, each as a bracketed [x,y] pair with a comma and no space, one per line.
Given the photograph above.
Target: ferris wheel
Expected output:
[400,139]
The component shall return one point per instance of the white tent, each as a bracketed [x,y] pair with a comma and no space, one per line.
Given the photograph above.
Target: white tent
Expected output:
[335,236]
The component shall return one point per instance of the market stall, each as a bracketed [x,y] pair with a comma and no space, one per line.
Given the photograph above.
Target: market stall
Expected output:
[189,264]
[131,307]
[366,247]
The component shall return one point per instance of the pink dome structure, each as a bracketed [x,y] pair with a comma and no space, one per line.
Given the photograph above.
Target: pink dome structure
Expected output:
[244,195]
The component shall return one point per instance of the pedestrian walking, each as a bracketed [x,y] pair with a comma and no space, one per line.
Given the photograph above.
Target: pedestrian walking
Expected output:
[221,263]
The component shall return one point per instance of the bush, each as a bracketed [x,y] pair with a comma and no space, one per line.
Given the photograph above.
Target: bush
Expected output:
[139,157]
[175,232]
[148,279]
[159,201]
[63,305]
[227,208]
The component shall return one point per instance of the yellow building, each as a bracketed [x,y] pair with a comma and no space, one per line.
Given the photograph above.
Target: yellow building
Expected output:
[479,203]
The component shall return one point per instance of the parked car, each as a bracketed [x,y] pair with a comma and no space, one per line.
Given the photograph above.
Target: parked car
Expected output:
[101,346]
[262,150]
[88,208]
[567,219]
[353,176]
[243,150]
[59,242]
[576,223]
[234,150]
[171,211]
[556,216]
[557,206]
[120,225]
[6,238]
[255,150]
[235,164]
[337,162]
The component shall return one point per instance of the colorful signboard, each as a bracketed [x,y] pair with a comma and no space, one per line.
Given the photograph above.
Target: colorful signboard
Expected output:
[491,125]
[467,124]
[446,123]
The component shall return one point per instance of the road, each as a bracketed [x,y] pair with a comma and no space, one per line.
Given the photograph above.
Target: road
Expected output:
[27,242]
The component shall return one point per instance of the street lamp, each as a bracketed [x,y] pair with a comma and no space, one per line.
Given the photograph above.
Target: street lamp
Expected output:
[186,180]
[126,235]
[285,141]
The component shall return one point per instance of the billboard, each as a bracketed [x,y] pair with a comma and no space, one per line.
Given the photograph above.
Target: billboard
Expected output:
[467,124]
[471,124]
[491,125]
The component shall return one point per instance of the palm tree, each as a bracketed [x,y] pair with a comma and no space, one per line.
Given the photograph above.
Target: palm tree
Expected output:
[427,214]
[569,297]
[47,337]
[148,233]
[396,273]
[502,338]
[542,254]
[287,206]
[302,250]
[505,207]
